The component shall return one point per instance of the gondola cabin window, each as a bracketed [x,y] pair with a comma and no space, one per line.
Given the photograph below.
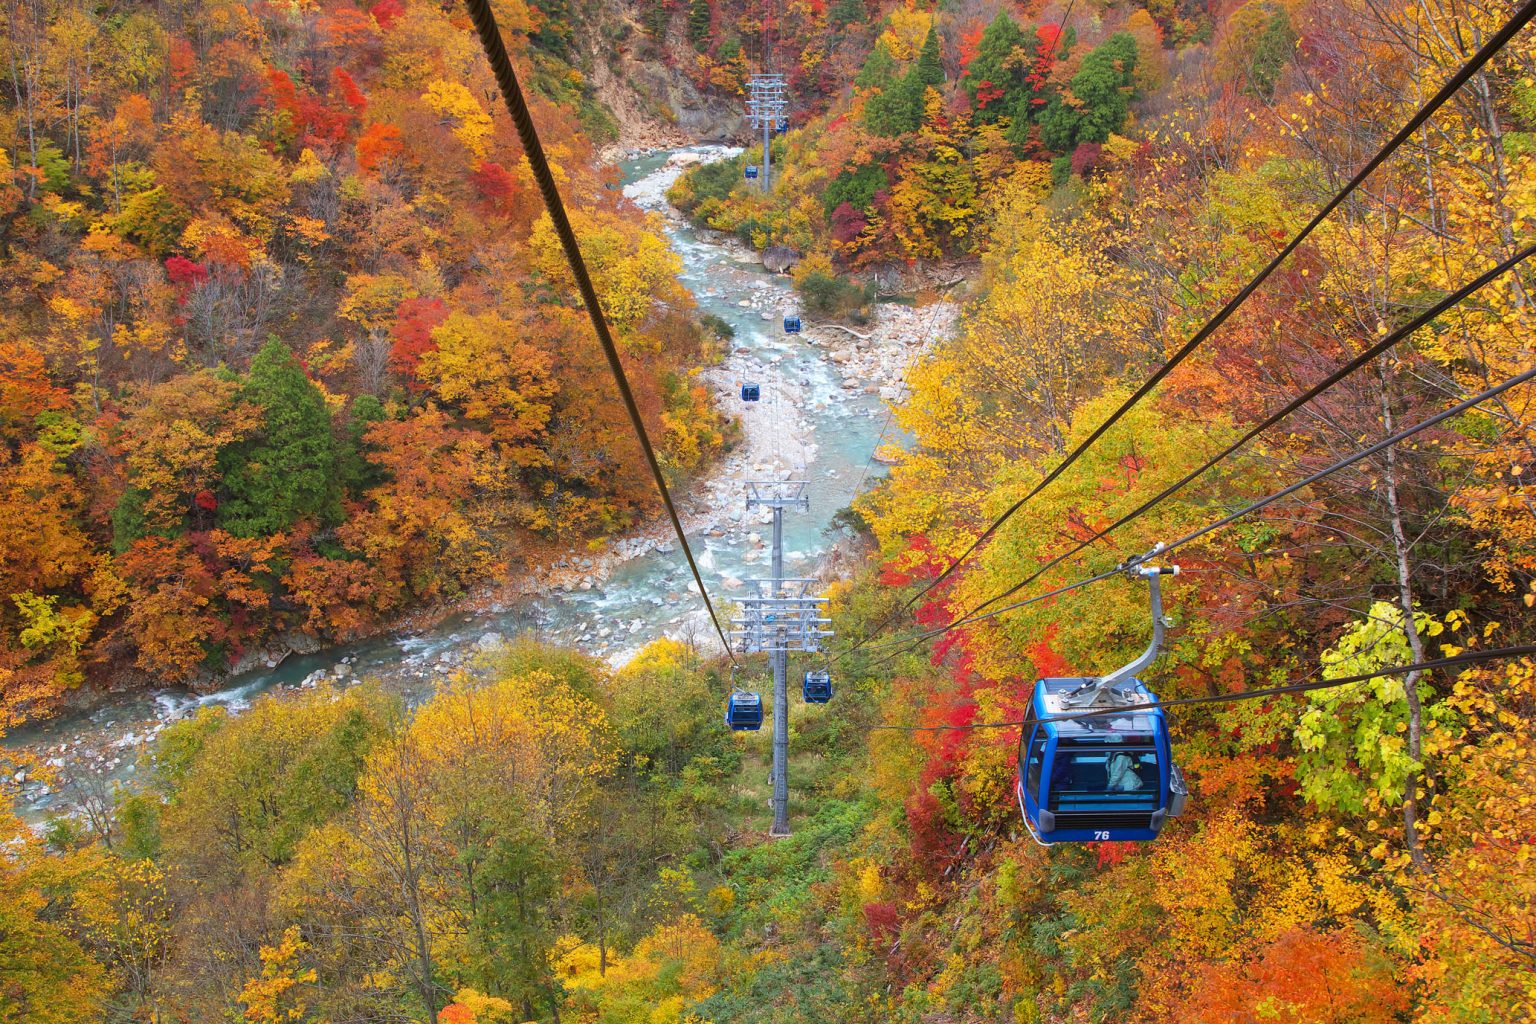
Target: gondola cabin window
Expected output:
[1036,759]
[1099,778]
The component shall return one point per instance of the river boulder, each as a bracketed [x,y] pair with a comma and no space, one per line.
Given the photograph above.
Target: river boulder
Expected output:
[778,259]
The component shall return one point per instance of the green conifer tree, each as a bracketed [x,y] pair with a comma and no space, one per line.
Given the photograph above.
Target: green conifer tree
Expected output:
[1102,88]
[897,109]
[1058,126]
[1103,85]
[288,470]
[356,472]
[656,18]
[879,69]
[847,12]
[930,62]
[699,20]
[996,73]
[1276,46]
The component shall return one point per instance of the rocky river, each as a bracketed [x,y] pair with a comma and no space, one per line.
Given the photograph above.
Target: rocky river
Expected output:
[822,417]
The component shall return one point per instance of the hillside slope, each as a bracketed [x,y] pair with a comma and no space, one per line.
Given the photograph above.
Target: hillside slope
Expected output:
[1120,175]
[283,349]
[554,839]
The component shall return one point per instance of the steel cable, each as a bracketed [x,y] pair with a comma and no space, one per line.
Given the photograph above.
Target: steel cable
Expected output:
[1470,657]
[1346,370]
[512,94]
[1264,502]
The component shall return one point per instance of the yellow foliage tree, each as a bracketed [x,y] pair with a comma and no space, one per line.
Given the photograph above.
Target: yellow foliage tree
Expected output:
[122,913]
[907,29]
[1476,906]
[471,124]
[1056,323]
[172,436]
[278,996]
[633,268]
[675,966]
[484,365]
[48,977]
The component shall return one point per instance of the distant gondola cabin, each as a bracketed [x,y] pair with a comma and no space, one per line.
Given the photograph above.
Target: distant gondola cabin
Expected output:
[752,171]
[791,325]
[744,712]
[751,392]
[816,687]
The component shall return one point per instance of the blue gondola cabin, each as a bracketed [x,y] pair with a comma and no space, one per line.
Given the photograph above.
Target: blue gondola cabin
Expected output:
[751,392]
[816,687]
[1102,775]
[791,325]
[744,712]
[752,171]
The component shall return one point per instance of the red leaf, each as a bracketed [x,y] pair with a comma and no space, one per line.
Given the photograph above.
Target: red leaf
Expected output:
[386,11]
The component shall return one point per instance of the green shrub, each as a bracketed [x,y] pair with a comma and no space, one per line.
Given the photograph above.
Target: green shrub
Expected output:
[825,296]
[709,181]
[857,188]
[718,326]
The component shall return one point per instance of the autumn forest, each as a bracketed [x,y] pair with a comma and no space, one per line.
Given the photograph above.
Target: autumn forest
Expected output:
[292,360]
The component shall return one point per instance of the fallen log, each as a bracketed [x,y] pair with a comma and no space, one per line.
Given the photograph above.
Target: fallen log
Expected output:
[850,330]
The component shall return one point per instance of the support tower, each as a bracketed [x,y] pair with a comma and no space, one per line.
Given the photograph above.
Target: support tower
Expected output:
[780,615]
[767,101]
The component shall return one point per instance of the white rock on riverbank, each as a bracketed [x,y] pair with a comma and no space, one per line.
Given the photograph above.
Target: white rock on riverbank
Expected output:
[777,431]
[650,192]
[898,336]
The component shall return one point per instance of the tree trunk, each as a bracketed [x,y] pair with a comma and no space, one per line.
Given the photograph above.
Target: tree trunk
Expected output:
[1411,629]
[418,919]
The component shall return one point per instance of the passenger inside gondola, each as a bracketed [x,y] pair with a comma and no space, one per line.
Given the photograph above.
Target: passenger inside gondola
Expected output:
[1097,767]
[1098,779]
[1121,769]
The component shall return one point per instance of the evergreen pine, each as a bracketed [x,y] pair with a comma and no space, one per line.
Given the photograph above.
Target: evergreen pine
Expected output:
[699,20]
[1023,119]
[930,62]
[657,16]
[879,69]
[128,521]
[856,187]
[1058,125]
[1276,46]
[847,12]
[288,470]
[992,69]
[898,108]
[357,473]
[1102,88]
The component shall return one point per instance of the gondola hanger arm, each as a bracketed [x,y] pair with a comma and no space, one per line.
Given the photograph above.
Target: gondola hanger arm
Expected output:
[1103,691]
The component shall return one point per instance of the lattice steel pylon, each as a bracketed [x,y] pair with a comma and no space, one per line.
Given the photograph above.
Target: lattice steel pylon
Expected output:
[767,101]
[780,615]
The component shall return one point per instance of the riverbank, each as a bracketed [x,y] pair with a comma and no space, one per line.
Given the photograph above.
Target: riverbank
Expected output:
[776,440]
[777,431]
